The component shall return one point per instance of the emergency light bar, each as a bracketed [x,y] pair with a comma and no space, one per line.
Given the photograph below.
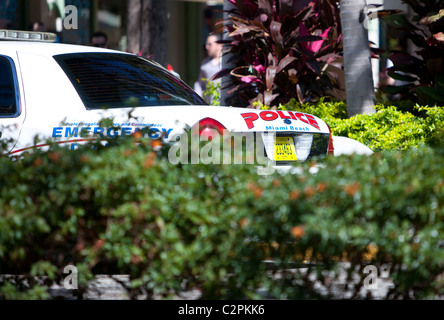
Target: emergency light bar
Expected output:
[27,36]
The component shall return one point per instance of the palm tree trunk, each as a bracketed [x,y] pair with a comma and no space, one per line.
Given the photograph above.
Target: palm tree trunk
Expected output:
[357,65]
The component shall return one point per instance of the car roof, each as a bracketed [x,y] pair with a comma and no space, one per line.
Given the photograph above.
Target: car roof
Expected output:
[51,49]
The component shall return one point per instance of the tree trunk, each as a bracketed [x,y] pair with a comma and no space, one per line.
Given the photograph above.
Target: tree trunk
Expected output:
[226,98]
[357,65]
[226,81]
[147,29]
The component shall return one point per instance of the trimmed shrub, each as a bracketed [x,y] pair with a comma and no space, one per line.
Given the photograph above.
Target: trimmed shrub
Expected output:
[391,127]
[125,209]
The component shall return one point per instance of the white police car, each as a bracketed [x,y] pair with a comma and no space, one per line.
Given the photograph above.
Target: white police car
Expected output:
[62,91]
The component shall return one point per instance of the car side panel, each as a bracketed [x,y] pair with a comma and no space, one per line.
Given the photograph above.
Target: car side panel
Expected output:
[11,125]
[49,98]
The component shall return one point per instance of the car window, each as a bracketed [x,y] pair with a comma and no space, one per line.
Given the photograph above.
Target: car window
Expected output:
[8,105]
[113,80]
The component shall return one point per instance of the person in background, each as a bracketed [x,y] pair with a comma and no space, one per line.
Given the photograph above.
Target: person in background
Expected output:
[99,39]
[38,26]
[210,65]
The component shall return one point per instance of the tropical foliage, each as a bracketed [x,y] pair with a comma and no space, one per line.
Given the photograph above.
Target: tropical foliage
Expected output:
[283,49]
[422,71]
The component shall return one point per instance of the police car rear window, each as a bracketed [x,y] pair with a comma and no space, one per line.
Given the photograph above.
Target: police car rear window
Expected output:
[112,80]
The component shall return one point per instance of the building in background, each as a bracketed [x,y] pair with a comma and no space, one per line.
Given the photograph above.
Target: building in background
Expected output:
[189,23]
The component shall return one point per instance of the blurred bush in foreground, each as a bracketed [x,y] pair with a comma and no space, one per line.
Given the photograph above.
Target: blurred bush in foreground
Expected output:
[125,209]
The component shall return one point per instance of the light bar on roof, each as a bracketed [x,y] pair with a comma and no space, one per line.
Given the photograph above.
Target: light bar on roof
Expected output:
[27,36]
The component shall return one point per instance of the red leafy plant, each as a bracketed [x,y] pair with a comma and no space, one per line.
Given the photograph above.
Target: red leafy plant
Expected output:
[282,49]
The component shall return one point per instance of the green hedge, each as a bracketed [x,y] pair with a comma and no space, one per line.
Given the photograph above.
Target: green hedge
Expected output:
[399,126]
[126,209]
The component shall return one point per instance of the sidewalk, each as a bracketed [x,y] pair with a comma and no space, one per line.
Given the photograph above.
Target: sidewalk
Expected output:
[107,287]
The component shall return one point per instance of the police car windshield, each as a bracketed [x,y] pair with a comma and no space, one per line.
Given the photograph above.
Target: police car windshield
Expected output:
[113,80]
